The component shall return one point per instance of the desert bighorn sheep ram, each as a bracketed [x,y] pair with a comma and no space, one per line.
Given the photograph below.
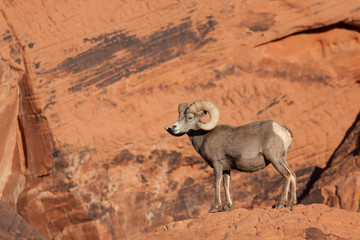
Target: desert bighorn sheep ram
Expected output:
[247,148]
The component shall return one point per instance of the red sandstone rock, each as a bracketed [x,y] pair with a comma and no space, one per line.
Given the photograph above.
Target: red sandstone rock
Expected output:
[338,184]
[303,222]
[86,87]
[12,163]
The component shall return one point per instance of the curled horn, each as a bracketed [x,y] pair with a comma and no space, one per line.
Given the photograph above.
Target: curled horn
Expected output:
[208,107]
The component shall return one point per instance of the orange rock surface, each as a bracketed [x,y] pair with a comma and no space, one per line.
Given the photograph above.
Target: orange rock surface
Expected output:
[87,86]
[303,222]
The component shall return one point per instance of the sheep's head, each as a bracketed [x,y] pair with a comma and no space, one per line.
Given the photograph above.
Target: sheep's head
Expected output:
[190,116]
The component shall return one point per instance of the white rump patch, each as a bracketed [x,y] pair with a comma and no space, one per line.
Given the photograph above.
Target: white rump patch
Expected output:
[283,133]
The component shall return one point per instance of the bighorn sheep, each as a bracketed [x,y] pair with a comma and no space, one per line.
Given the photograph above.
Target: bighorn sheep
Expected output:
[247,148]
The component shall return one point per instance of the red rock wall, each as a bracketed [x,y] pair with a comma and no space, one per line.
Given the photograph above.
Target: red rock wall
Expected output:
[12,161]
[94,82]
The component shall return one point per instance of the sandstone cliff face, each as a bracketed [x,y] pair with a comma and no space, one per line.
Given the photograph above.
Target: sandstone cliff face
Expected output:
[12,161]
[87,86]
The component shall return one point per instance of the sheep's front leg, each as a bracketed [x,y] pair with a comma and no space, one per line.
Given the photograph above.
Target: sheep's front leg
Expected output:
[218,174]
[226,183]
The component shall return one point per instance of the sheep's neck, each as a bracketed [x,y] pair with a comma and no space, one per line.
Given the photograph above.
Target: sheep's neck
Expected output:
[197,138]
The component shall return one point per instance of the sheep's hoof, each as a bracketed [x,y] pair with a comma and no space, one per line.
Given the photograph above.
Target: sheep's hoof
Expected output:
[225,209]
[213,210]
[279,205]
[289,207]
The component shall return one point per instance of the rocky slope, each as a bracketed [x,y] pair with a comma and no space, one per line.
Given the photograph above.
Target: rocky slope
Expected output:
[86,87]
[317,222]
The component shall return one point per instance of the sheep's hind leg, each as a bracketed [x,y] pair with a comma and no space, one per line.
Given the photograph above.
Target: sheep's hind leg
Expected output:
[226,183]
[293,199]
[285,172]
[284,196]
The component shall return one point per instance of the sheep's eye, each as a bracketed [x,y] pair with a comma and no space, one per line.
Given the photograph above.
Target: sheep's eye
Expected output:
[189,118]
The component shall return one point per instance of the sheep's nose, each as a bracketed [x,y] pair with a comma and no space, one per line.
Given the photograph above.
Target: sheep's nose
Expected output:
[176,128]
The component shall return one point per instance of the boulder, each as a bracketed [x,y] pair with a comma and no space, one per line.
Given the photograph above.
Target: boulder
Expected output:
[338,184]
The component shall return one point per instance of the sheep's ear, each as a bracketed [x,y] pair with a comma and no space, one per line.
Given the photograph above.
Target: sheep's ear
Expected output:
[182,107]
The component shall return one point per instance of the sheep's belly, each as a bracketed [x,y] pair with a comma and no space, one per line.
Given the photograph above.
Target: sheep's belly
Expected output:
[250,165]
